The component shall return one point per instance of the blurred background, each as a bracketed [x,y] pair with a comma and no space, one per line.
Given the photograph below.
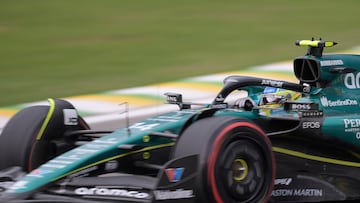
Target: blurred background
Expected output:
[66,48]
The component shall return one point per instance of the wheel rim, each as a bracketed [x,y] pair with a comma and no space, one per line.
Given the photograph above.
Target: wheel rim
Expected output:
[242,170]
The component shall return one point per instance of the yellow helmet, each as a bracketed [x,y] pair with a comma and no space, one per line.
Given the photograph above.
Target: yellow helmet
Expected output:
[273,98]
[277,96]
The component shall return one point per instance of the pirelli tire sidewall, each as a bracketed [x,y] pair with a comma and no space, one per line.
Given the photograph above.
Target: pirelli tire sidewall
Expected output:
[28,139]
[18,138]
[236,162]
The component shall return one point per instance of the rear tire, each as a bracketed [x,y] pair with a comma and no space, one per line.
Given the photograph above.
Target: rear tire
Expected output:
[236,162]
[19,145]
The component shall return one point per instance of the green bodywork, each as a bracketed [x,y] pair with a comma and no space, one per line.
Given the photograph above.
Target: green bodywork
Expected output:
[335,84]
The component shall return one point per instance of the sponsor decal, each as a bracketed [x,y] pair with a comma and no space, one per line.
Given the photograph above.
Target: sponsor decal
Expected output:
[220,106]
[352,81]
[311,125]
[220,98]
[330,103]
[39,172]
[358,135]
[331,63]
[282,192]
[231,80]
[300,106]
[308,192]
[283,181]
[269,90]
[60,161]
[142,126]
[175,194]
[109,141]
[96,146]
[85,151]
[352,125]
[166,118]
[174,174]
[58,166]
[111,192]
[70,117]
[73,157]
[312,114]
[19,185]
[111,165]
[84,172]
[173,98]
[307,89]
[272,83]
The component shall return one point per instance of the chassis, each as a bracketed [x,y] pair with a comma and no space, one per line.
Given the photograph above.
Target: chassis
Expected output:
[217,152]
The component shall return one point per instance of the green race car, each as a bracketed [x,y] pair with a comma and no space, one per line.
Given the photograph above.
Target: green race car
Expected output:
[260,140]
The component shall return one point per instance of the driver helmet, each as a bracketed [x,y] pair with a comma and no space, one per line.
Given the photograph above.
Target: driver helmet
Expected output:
[275,97]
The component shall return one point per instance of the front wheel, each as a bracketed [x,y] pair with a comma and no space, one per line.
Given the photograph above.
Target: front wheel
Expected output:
[34,135]
[236,162]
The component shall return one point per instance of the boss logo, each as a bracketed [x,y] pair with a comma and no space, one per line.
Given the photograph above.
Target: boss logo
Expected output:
[311,125]
[300,106]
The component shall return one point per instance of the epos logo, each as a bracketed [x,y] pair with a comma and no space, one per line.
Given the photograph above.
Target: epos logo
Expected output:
[311,125]
[174,174]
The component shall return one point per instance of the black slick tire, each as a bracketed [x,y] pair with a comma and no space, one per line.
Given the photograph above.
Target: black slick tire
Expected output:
[236,162]
[19,140]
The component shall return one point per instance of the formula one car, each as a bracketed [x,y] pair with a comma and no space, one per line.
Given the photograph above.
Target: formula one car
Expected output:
[278,142]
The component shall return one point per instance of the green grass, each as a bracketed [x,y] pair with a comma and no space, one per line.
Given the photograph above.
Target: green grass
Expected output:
[66,48]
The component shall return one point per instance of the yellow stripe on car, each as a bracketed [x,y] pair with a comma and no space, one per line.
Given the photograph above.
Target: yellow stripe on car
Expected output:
[315,158]
[146,149]
[47,119]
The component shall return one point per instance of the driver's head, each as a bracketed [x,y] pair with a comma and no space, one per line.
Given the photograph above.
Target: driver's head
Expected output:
[277,96]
